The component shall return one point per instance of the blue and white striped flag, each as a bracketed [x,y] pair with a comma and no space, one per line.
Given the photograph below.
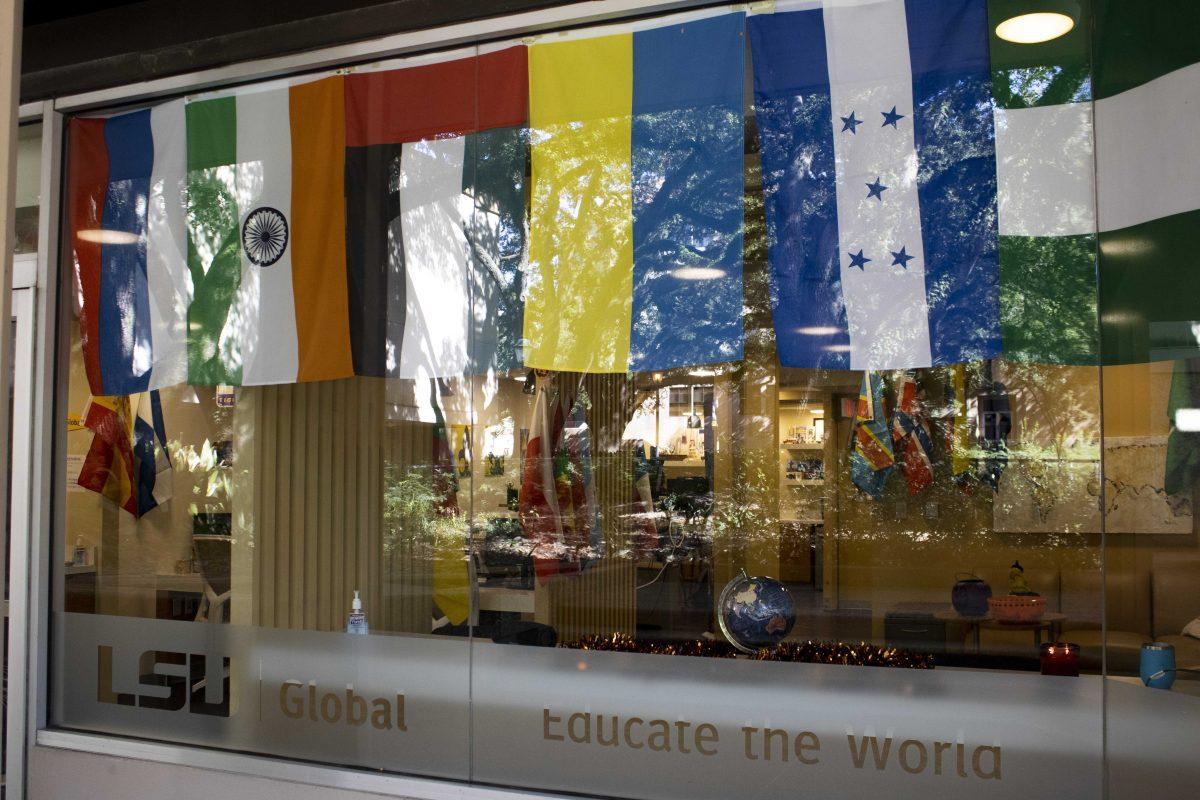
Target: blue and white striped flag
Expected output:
[879,175]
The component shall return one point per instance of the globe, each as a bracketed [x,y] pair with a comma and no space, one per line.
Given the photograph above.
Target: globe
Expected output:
[755,612]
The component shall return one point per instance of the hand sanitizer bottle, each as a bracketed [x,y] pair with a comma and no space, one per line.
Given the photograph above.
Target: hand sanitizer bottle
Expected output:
[358,618]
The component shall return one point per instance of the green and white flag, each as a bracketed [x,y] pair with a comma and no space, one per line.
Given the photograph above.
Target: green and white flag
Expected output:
[1100,153]
[1045,173]
[1147,87]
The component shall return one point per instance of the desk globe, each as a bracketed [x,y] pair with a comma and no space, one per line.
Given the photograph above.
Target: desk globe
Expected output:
[755,612]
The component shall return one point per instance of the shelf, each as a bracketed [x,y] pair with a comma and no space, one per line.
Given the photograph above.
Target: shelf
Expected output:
[811,447]
[806,482]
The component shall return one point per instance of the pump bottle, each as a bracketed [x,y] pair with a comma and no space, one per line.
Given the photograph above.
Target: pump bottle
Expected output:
[357,623]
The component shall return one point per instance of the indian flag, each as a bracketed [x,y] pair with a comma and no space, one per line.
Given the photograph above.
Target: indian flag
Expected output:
[1098,162]
[266,236]
[209,240]
[635,258]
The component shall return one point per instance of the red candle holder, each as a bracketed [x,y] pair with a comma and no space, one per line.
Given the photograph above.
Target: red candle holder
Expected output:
[1060,658]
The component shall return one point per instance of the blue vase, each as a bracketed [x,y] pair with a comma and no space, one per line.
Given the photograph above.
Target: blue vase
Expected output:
[970,597]
[1158,657]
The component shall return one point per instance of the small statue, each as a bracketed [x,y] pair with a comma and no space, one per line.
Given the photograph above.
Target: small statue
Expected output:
[1016,580]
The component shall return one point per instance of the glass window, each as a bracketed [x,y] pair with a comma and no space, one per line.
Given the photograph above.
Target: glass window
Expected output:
[666,409]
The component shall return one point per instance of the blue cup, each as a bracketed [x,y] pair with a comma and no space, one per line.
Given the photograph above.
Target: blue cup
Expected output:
[1158,665]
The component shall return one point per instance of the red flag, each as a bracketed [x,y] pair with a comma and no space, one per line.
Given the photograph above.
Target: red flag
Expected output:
[109,467]
[910,432]
[543,497]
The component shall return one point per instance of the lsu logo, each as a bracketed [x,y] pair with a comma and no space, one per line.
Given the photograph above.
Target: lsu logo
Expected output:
[187,684]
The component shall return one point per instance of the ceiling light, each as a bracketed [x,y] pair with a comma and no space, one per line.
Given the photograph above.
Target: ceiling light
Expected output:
[818,330]
[1041,26]
[102,236]
[698,273]
[702,373]
[1187,420]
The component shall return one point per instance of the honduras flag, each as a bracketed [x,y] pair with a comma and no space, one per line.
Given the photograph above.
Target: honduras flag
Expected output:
[879,177]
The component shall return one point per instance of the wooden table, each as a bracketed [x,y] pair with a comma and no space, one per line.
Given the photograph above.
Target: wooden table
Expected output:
[1051,622]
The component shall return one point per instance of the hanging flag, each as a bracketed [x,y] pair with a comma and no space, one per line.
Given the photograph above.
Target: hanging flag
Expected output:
[911,438]
[128,461]
[451,577]
[109,468]
[636,200]
[959,442]
[495,183]
[585,536]
[318,230]
[1147,90]
[1084,135]
[871,460]
[426,190]
[168,282]
[879,178]
[541,521]
[151,457]
[203,236]
[556,506]
[1045,171]
[108,194]
[249,221]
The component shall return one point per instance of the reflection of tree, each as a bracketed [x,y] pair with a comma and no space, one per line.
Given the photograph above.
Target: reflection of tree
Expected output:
[214,261]
[580,246]
[412,516]
[494,176]
[687,205]
[1048,84]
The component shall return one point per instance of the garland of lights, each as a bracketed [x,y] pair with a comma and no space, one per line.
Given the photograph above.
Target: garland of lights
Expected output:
[861,654]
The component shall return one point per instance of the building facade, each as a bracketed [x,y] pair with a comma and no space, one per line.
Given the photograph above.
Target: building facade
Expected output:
[618,399]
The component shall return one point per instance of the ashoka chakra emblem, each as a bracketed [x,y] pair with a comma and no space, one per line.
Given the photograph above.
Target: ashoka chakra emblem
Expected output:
[265,236]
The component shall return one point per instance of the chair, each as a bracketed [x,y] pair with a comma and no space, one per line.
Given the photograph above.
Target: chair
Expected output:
[1175,601]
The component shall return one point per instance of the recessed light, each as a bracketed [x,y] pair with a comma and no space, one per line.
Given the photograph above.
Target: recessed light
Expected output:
[1187,420]
[102,236]
[698,273]
[1040,26]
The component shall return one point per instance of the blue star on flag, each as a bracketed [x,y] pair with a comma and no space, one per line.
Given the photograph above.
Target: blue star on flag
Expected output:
[891,118]
[875,190]
[850,123]
[858,259]
[902,258]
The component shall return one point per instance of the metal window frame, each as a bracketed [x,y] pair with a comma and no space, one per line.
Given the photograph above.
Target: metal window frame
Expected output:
[34,585]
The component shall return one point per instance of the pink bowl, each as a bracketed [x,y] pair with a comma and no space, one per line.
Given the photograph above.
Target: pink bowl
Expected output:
[1017,608]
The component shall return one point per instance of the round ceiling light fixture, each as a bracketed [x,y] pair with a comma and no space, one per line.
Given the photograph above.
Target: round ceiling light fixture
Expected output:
[1040,26]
